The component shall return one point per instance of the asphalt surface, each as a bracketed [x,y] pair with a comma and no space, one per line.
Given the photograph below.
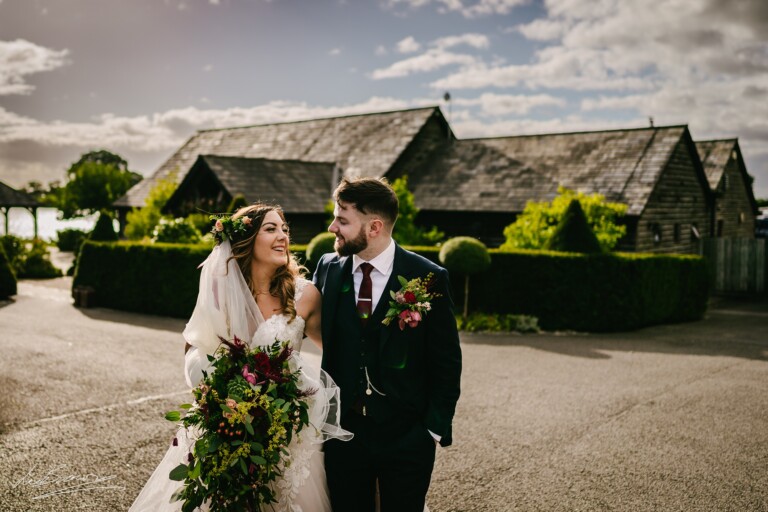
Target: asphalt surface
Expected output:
[666,418]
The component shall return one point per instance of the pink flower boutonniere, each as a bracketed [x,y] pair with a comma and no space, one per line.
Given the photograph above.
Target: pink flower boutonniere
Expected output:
[411,303]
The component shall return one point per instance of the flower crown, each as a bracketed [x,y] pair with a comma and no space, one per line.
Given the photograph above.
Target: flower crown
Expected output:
[227,228]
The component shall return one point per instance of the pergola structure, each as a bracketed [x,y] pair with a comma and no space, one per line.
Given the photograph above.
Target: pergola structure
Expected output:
[12,198]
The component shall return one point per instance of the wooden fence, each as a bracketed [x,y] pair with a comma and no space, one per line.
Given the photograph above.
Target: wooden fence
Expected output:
[736,264]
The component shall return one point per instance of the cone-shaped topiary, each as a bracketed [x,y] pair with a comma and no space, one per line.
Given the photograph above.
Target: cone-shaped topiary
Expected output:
[7,277]
[321,244]
[237,202]
[104,231]
[465,255]
[573,233]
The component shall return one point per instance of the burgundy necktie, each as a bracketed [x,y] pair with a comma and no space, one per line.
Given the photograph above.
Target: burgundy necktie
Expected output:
[364,296]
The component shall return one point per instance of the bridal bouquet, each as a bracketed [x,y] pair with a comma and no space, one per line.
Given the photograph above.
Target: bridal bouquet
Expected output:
[246,412]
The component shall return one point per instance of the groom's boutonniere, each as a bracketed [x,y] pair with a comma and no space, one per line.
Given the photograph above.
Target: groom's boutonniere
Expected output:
[412,302]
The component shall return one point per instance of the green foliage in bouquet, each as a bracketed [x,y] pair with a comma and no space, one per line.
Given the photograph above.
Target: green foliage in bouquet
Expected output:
[247,410]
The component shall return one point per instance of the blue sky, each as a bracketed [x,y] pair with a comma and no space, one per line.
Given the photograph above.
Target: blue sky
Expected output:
[138,77]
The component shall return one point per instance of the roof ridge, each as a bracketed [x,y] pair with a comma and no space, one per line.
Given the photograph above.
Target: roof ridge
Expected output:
[228,157]
[613,130]
[433,107]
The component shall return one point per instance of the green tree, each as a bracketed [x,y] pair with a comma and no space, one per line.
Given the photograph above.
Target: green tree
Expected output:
[536,224]
[141,222]
[406,231]
[93,183]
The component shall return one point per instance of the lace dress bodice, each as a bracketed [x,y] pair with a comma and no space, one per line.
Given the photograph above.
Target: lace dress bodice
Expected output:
[277,327]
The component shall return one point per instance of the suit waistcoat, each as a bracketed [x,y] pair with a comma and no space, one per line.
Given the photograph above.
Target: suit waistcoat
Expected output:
[358,349]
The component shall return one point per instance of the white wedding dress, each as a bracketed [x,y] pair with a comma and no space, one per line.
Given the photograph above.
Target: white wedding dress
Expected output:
[302,487]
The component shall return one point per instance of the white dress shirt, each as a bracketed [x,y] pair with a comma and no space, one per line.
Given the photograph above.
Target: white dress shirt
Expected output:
[382,269]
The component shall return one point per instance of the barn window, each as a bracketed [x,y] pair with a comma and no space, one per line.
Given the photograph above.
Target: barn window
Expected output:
[720,225]
[655,228]
[741,217]
[677,232]
[725,182]
[695,232]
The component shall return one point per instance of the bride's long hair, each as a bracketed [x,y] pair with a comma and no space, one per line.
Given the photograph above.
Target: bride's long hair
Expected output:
[283,282]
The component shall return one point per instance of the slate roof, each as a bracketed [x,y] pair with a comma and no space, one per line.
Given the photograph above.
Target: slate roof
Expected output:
[502,174]
[298,187]
[10,197]
[362,145]
[714,156]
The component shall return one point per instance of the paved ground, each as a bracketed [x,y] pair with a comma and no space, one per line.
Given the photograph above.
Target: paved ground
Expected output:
[666,418]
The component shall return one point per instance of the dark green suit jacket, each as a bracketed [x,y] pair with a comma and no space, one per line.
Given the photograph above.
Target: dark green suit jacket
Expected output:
[419,368]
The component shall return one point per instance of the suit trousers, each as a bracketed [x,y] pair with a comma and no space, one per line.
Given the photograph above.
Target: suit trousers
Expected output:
[399,454]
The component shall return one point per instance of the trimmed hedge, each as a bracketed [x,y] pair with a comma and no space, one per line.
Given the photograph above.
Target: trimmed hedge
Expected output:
[159,279]
[604,292]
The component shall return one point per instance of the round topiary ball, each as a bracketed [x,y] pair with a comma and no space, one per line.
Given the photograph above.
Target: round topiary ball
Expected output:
[321,244]
[465,255]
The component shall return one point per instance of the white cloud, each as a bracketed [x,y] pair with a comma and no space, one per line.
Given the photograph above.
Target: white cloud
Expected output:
[21,58]
[408,45]
[208,68]
[543,29]
[431,60]
[475,40]
[435,57]
[505,104]
[334,52]
[381,50]
[167,130]
[214,2]
[467,8]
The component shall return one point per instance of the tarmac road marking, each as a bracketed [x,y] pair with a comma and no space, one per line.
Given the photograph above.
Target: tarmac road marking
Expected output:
[135,401]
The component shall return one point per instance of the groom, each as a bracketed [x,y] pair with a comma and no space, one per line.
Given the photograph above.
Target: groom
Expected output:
[399,386]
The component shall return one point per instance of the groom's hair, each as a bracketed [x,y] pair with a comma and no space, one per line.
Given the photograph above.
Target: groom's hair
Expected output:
[370,196]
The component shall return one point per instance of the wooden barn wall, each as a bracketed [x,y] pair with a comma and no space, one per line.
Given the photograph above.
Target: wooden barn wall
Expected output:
[732,205]
[432,137]
[679,199]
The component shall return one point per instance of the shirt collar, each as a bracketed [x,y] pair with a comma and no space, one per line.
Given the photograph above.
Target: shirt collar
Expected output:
[383,262]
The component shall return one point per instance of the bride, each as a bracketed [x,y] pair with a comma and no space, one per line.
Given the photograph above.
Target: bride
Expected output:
[250,287]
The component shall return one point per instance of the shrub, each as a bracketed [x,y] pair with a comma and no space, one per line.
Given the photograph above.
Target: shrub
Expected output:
[237,202]
[465,255]
[14,251]
[7,276]
[535,225]
[104,230]
[176,231]
[573,233]
[69,240]
[201,221]
[36,262]
[476,322]
[319,245]
[142,221]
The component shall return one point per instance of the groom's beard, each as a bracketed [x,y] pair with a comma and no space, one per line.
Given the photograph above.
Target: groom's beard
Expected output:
[353,246]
